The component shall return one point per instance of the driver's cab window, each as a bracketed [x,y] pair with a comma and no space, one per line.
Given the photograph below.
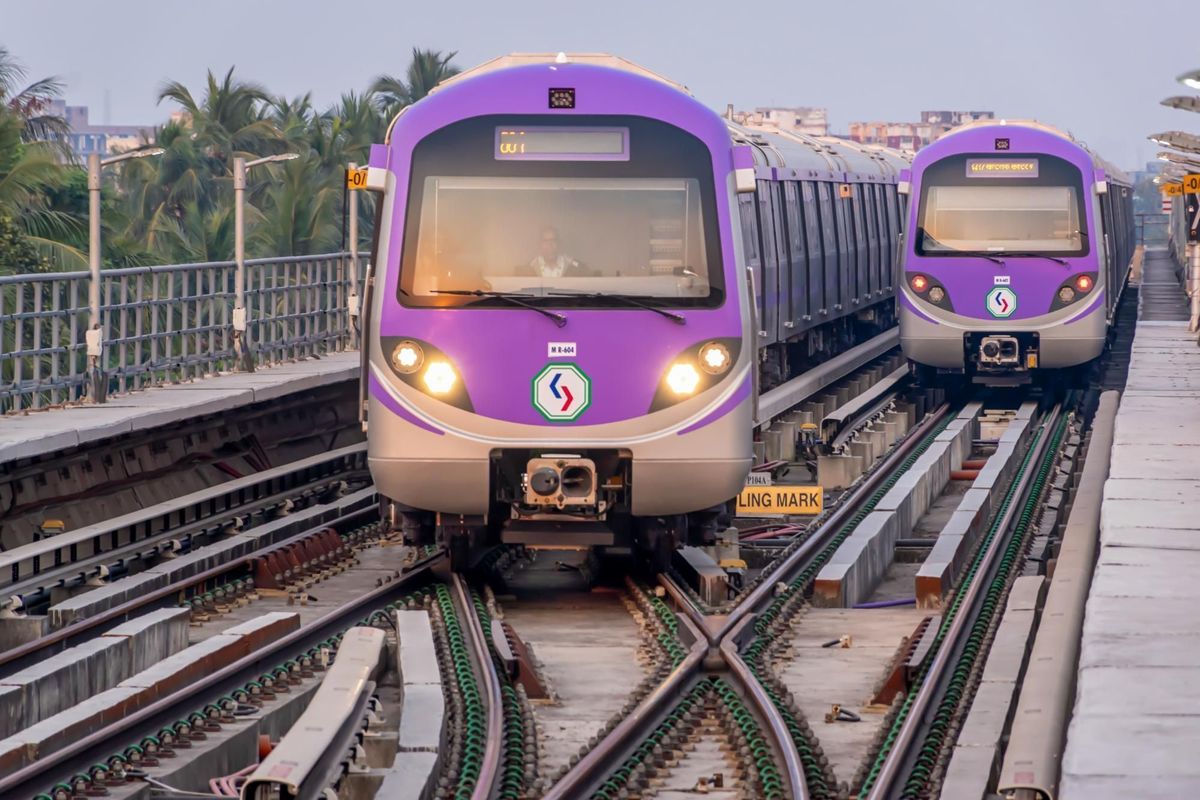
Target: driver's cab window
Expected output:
[639,236]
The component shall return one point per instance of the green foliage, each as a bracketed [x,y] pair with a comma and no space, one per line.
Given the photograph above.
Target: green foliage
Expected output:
[178,207]
[17,253]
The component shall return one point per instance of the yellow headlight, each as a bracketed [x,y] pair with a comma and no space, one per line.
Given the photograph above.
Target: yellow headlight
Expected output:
[683,378]
[439,377]
[714,358]
[407,357]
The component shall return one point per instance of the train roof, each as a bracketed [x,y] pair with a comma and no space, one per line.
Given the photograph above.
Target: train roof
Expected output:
[1109,168]
[593,59]
[804,156]
[818,157]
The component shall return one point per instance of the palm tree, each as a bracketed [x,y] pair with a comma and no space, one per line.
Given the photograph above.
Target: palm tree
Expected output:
[231,120]
[31,104]
[427,69]
[27,170]
[298,209]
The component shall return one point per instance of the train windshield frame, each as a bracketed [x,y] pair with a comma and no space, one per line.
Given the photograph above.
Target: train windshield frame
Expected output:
[1027,204]
[561,233]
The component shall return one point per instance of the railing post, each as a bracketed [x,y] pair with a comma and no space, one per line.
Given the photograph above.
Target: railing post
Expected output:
[94,336]
[352,297]
[241,336]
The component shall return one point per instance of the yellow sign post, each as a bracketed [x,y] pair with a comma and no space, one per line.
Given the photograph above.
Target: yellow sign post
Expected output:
[356,178]
[765,501]
[1191,183]
[1171,189]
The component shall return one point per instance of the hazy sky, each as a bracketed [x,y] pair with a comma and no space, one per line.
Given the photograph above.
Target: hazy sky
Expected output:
[1096,67]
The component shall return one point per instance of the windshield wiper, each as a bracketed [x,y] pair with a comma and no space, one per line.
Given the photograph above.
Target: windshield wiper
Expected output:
[1031,254]
[977,254]
[508,297]
[628,299]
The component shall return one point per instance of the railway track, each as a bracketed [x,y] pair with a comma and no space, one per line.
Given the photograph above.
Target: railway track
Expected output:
[734,651]
[34,575]
[708,708]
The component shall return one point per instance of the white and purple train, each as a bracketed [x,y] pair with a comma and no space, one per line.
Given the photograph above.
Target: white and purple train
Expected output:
[582,277]
[1018,246]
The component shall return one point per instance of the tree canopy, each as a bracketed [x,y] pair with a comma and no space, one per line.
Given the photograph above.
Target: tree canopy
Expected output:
[178,207]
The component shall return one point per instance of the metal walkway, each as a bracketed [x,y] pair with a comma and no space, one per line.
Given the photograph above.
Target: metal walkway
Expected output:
[1137,706]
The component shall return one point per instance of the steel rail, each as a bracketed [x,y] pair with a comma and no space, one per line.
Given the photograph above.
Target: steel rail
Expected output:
[766,709]
[1033,758]
[606,756]
[723,633]
[22,567]
[795,561]
[95,747]
[309,757]
[837,426]
[493,753]
[24,655]
[931,687]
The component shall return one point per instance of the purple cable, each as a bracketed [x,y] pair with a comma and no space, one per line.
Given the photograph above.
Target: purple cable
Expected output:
[888,603]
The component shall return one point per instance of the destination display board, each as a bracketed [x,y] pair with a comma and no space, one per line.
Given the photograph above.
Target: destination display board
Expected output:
[561,144]
[1002,167]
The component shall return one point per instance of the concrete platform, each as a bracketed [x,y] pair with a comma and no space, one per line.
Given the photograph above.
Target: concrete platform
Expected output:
[36,433]
[1136,717]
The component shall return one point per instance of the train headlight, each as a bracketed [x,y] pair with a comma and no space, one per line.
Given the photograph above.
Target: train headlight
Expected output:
[683,378]
[714,358]
[439,377]
[696,369]
[422,366]
[407,357]
[1073,289]
[919,283]
[937,294]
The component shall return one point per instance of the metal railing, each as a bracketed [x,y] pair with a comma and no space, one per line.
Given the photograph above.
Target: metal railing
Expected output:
[167,324]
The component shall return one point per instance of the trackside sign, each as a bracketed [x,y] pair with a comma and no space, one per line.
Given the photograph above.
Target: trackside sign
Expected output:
[766,501]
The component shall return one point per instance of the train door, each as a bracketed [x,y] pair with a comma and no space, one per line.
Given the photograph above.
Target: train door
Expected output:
[858,244]
[750,243]
[893,235]
[769,247]
[870,211]
[845,249]
[799,294]
[1109,243]
[818,302]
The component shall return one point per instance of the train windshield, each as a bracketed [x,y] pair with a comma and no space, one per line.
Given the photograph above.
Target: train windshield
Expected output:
[561,232]
[989,204]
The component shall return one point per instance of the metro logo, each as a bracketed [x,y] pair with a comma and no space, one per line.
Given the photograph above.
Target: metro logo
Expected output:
[1001,302]
[561,392]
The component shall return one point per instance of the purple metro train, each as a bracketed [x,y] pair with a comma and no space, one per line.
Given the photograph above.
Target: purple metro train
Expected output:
[1018,247]
[581,279]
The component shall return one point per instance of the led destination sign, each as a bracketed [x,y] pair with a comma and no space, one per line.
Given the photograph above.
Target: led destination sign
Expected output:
[562,144]
[1002,168]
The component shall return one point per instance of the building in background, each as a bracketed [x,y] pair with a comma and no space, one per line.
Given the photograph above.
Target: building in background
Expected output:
[104,140]
[914,135]
[810,121]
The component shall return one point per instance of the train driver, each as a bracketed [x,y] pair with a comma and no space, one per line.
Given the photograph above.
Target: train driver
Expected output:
[550,261]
